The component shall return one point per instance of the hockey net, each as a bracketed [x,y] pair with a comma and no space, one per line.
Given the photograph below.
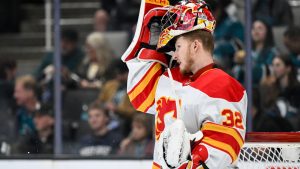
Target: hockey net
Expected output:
[270,151]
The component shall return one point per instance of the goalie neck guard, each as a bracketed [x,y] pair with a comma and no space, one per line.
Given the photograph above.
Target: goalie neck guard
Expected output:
[182,18]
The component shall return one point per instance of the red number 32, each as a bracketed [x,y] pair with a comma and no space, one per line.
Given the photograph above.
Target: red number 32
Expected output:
[233,119]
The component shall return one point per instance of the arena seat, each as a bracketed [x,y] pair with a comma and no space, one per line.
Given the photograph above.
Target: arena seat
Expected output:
[118,42]
[73,100]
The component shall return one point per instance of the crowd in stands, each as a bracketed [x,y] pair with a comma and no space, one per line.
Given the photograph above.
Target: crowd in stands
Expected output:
[109,125]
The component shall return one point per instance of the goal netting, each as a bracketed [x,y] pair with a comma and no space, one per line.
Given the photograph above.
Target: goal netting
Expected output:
[270,151]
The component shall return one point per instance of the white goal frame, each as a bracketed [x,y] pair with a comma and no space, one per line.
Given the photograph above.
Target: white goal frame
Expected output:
[266,150]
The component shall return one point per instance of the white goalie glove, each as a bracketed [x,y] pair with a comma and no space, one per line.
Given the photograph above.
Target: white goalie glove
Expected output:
[174,145]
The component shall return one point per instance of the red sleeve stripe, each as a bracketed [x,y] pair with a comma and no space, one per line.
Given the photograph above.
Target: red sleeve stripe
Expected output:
[137,89]
[223,138]
[149,101]
[147,106]
[141,93]
[146,96]
[221,146]
[224,129]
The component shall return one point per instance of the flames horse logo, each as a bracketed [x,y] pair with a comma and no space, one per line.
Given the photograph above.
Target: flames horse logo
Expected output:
[165,106]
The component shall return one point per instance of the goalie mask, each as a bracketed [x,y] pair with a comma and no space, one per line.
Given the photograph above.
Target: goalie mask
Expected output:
[184,17]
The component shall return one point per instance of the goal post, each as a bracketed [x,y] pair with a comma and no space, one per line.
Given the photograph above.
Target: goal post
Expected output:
[270,150]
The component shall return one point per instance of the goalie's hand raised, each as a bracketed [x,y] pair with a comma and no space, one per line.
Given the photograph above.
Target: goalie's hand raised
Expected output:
[147,33]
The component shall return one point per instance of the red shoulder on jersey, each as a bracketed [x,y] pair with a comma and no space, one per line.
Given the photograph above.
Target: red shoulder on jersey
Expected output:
[218,84]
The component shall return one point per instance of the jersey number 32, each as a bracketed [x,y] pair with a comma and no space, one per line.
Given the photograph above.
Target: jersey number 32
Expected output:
[233,119]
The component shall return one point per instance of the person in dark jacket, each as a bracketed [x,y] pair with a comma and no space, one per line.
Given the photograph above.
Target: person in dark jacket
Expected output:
[41,140]
[71,54]
[291,40]
[289,89]
[101,141]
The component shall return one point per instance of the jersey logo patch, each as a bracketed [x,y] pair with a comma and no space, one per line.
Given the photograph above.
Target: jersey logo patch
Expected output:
[164,107]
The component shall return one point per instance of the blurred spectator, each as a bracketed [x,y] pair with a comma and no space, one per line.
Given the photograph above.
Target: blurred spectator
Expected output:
[101,141]
[228,34]
[279,98]
[114,95]
[289,89]
[8,69]
[101,20]
[138,143]
[263,108]
[7,103]
[263,42]
[71,55]
[263,52]
[26,95]
[292,42]
[277,12]
[108,11]
[41,140]
[98,57]
[70,52]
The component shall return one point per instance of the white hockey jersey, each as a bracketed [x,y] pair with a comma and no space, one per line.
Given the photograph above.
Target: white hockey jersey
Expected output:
[210,101]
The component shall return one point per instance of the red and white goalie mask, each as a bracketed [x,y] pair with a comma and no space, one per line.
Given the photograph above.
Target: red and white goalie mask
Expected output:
[184,17]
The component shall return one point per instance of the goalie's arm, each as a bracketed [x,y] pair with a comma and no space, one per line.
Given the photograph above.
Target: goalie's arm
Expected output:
[143,61]
[221,142]
[223,145]
[223,125]
[143,77]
